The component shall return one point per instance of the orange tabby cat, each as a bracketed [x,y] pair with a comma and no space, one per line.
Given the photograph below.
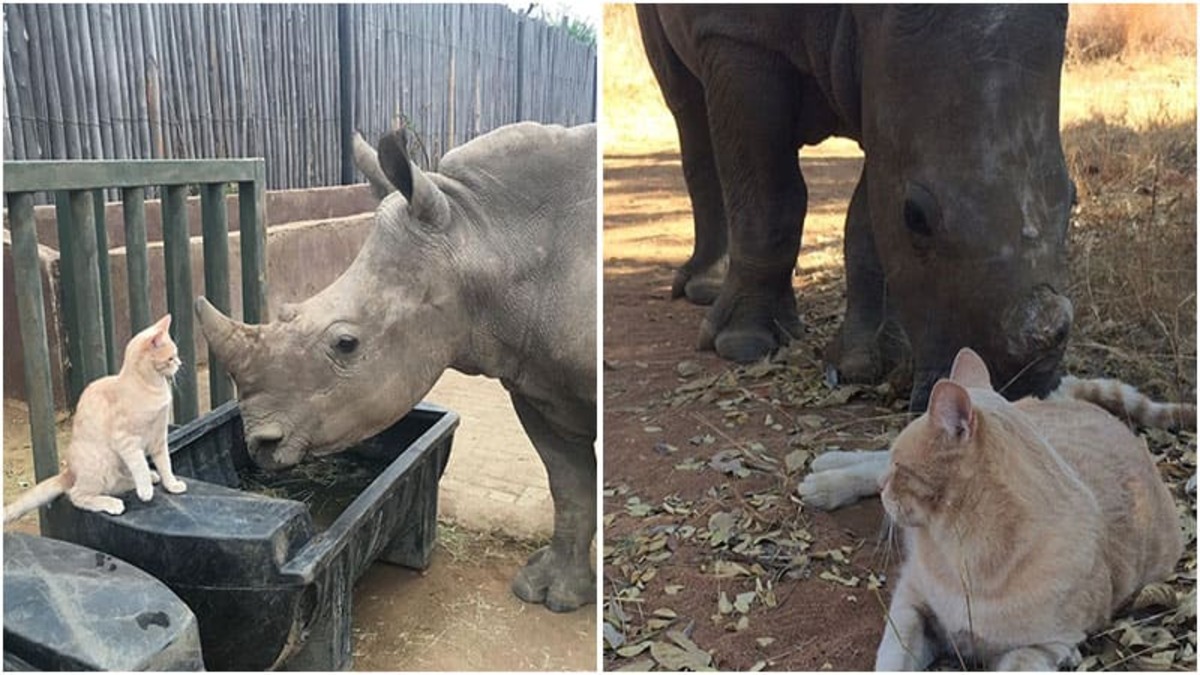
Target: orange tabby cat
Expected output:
[1025,526]
[119,420]
[839,477]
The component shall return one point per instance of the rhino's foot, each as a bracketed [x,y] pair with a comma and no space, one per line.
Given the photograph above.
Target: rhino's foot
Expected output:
[700,287]
[551,579]
[866,356]
[751,331]
[853,359]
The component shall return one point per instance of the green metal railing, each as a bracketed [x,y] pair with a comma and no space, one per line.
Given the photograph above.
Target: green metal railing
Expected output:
[87,301]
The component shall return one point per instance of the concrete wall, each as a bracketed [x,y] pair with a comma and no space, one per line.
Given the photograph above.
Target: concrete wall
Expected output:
[302,258]
[283,206]
[14,364]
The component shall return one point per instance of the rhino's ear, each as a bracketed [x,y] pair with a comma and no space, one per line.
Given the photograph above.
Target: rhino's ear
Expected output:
[368,162]
[425,201]
[393,158]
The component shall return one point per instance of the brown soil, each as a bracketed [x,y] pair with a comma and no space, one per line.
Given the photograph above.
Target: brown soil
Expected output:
[459,615]
[816,623]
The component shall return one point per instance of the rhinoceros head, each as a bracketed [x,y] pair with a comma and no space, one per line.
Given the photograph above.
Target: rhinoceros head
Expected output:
[968,191]
[338,367]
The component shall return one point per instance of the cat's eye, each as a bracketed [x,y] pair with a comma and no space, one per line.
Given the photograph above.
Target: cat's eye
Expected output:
[346,344]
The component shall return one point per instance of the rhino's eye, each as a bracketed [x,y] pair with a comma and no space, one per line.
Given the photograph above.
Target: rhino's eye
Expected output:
[915,220]
[920,210]
[346,344]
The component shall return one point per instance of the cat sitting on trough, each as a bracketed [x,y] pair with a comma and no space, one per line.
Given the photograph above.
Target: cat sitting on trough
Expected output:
[119,420]
[1025,525]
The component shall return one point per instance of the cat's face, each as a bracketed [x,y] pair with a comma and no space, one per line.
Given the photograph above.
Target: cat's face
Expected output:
[155,348]
[928,456]
[913,487]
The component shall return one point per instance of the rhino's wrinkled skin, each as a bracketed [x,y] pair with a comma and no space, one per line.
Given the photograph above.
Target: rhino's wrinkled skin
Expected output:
[956,231]
[488,267]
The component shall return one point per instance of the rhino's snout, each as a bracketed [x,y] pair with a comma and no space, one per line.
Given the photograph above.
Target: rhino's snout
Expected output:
[1040,325]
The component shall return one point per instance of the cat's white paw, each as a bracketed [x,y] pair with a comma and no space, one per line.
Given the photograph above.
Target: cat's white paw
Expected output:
[175,486]
[821,490]
[838,459]
[154,477]
[145,493]
[829,489]
[115,509]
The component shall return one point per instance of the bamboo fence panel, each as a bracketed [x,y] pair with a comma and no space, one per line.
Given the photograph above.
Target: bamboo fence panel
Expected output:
[172,81]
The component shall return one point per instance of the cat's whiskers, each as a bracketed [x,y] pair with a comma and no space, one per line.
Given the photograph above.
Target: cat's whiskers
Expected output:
[172,377]
[885,544]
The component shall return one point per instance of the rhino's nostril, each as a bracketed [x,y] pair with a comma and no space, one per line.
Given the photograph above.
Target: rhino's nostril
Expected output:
[1060,335]
[264,437]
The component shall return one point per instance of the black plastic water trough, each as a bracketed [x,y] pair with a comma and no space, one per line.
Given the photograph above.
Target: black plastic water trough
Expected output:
[67,607]
[270,578]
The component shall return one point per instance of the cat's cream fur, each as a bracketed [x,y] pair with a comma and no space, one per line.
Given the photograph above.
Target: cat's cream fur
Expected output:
[119,420]
[1025,526]
[837,477]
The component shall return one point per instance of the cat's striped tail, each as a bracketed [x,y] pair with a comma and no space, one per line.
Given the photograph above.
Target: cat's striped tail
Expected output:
[39,495]
[1129,404]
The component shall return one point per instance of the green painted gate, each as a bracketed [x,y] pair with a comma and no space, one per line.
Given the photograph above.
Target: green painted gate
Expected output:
[87,301]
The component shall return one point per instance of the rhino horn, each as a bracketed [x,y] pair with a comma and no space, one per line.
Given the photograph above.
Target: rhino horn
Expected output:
[231,341]
[425,200]
[367,162]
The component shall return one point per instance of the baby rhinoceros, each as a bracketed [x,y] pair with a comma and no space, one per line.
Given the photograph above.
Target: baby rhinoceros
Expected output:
[487,266]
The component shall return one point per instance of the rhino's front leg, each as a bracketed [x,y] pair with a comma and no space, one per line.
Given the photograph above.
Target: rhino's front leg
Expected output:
[765,197]
[560,575]
[701,277]
[853,354]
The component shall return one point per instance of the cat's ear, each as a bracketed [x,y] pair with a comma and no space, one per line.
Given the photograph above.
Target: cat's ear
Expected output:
[970,371]
[159,331]
[951,411]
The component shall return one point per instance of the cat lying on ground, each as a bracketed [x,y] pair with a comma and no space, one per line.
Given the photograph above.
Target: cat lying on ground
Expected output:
[1025,524]
[837,478]
[119,420]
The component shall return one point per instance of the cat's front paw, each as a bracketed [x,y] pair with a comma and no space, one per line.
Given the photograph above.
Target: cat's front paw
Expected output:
[145,493]
[175,486]
[154,477]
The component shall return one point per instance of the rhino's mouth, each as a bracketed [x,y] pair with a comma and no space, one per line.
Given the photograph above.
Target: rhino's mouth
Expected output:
[273,450]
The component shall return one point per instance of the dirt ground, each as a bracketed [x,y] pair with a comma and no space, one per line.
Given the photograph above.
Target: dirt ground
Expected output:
[459,615]
[711,560]
[652,429]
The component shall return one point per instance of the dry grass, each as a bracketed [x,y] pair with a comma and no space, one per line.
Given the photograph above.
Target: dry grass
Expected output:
[1133,253]
[1120,31]
[1129,134]
[632,107]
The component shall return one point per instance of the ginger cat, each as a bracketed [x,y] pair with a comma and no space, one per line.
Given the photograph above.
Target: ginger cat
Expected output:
[119,420]
[1025,526]
[838,477]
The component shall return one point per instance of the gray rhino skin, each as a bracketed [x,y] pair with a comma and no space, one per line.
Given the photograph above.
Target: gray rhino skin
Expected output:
[488,267]
[957,228]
